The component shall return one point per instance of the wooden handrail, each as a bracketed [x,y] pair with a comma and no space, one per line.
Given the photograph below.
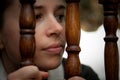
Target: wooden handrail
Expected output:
[111,48]
[27,31]
[73,66]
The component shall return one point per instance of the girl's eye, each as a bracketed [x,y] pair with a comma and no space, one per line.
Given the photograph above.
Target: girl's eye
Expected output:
[60,18]
[38,16]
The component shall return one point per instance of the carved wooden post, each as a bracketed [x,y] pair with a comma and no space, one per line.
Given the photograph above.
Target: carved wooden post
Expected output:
[111,49]
[27,31]
[73,66]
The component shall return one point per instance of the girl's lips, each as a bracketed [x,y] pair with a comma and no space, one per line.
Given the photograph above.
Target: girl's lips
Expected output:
[54,49]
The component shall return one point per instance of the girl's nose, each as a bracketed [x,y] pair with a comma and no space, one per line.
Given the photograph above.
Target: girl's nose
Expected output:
[54,27]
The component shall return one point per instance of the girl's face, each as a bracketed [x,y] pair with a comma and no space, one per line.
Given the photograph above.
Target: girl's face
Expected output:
[50,33]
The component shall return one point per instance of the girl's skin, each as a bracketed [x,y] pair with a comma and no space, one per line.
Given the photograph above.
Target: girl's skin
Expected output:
[50,40]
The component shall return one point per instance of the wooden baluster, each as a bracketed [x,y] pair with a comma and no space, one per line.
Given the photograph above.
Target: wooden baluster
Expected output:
[73,66]
[27,31]
[111,49]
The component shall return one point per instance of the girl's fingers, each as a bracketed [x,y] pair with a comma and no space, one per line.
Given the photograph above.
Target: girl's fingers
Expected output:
[28,73]
[76,78]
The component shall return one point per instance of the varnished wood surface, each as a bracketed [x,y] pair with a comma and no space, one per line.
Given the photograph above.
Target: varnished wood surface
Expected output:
[73,66]
[111,48]
[27,31]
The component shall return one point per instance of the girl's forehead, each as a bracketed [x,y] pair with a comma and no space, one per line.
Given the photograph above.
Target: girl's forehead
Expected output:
[50,2]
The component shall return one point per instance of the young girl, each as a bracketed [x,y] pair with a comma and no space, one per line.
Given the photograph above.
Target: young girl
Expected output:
[49,36]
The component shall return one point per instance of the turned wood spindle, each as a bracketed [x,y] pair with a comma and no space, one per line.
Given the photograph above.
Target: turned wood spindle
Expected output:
[73,66]
[27,31]
[111,49]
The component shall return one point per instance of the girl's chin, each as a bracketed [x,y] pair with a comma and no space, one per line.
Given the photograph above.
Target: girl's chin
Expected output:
[49,67]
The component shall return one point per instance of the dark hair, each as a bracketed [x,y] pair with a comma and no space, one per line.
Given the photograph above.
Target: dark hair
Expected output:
[3,5]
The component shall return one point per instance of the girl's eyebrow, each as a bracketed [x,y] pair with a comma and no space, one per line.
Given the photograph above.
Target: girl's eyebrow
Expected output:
[38,7]
[60,7]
